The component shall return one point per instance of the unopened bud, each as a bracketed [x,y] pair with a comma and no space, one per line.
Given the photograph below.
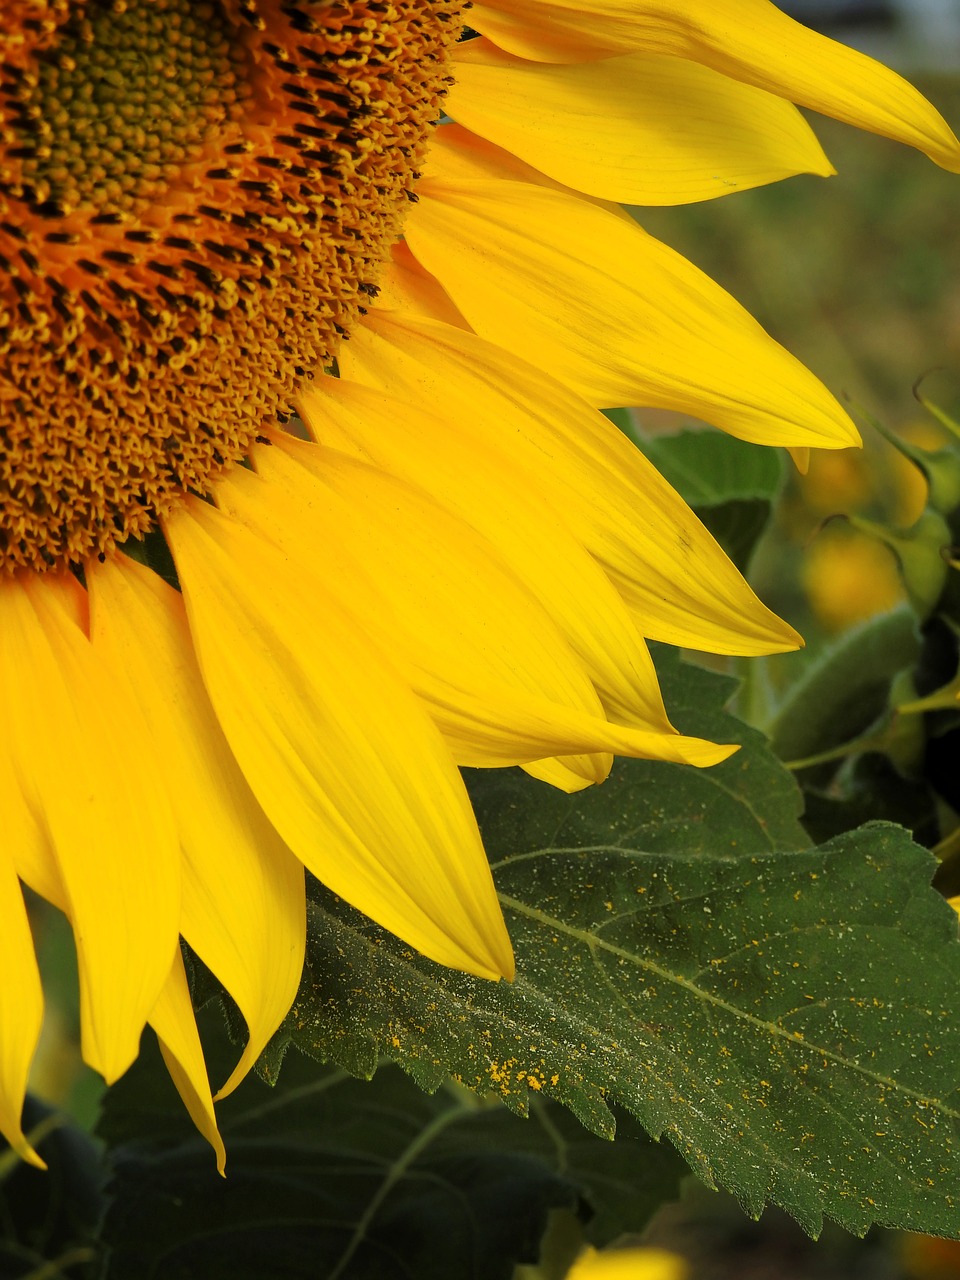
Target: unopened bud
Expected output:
[939,467]
[921,553]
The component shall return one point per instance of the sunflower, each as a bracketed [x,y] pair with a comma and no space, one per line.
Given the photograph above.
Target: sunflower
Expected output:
[306,494]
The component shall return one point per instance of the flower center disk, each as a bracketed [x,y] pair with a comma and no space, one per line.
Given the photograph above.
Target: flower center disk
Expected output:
[195,201]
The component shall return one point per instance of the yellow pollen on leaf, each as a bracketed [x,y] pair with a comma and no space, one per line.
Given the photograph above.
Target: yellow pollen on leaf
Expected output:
[196,199]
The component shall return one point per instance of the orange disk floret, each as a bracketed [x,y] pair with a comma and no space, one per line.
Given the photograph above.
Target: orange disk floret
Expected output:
[195,198]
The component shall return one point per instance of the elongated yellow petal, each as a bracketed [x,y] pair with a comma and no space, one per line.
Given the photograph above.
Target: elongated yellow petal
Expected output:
[639,129]
[491,668]
[452,614]
[484,487]
[618,316]
[81,752]
[25,852]
[21,1008]
[748,40]
[429,564]
[243,898]
[172,1019]
[680,584]
[341,756]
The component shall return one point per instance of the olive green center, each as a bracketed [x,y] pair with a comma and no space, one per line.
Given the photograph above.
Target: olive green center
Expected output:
[130,93]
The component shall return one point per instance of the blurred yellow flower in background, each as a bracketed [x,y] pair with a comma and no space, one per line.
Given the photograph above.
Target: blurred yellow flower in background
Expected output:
[849,577]
[629,1264]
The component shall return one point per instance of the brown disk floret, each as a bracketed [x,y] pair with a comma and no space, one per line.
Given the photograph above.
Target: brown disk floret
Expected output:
[196,197]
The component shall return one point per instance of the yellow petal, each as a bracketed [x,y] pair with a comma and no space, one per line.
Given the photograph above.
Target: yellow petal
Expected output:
[467,155]
[21,1008]
[173,1021]
[680,584]
[748,40]
[483,489]
[243,898]
[637,129]
[494,673]
[29,844]
[405,286]
[571,773]
[618,316]
[341,756]
[80,750]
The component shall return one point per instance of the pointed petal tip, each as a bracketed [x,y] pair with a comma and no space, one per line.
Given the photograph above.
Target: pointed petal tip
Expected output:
[109,1061]
[240,1072]
[770,634]
[508,968]
[785,639]
[495,962]
[702,754]
[19,1147]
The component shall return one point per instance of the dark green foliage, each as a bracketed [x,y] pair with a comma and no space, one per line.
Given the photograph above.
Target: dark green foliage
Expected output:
[332,1177]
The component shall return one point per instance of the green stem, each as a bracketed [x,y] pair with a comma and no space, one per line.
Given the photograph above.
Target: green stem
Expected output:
[844,751]
[56,1268]
[396,1172]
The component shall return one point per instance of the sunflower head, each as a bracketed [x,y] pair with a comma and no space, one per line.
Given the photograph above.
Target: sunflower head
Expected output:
[195,198]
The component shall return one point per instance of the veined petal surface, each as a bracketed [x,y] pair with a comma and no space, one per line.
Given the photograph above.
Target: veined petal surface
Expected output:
[492,669]
[455,619]
[638,129]
[343,759]
[82,755]
[21,1009]
[681,586]
[618,316]
[748,40]
[481,486]
[243,904]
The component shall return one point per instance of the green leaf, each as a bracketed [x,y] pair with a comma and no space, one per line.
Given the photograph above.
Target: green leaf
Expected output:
[868,788]
[335,1178]
[782,1014]
[709,468]
[844,692]
[47,1217]
[731,484]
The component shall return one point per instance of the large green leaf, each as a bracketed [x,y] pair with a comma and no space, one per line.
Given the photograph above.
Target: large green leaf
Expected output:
[781,1013]
[784,1019]
[330,1177]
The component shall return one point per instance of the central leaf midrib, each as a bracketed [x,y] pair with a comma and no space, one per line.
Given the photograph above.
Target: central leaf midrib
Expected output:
[592,941]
